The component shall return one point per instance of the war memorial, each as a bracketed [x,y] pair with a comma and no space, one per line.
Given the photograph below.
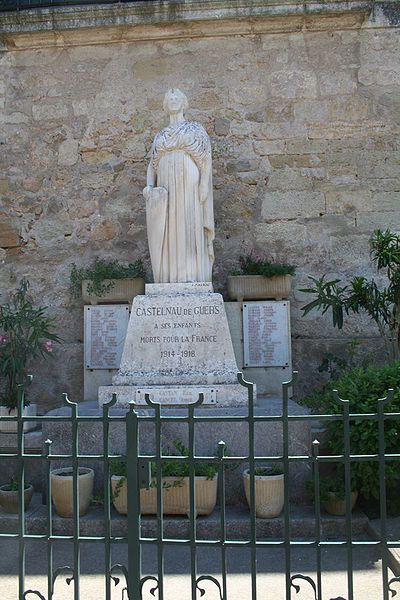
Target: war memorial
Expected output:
[199,259]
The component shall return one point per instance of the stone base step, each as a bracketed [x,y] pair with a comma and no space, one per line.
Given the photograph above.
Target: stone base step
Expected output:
[302,524]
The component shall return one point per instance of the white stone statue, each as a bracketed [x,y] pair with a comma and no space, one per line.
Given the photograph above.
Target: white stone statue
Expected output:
[179,198]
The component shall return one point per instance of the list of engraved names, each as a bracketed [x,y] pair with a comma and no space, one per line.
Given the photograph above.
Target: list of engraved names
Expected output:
[266,334]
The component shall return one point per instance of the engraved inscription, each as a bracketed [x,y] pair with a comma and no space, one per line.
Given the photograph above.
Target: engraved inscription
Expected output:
[105,330]
[185,335]
[176,395]
[170,336]
[266,334]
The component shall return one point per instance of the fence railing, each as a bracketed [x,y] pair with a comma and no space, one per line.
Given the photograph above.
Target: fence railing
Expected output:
[144,467]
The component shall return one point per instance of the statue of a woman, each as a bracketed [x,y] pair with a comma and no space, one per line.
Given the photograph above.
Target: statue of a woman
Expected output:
[179,201]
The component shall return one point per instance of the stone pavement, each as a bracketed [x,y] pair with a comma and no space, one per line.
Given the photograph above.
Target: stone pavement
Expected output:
[393,535]
[270,562]
[270,566]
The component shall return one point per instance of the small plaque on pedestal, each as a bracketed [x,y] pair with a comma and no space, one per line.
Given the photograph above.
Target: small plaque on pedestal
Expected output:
[183,395]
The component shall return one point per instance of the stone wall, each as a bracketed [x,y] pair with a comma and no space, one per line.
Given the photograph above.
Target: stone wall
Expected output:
[304,125]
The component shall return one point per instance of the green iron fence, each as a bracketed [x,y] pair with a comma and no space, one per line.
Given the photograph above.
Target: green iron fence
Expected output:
[129,577]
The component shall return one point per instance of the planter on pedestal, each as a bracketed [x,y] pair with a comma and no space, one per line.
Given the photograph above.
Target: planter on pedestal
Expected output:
[62,490]
[258,287]
[122,290]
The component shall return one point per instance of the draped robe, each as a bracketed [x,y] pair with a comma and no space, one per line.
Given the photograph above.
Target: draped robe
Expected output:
[180,227]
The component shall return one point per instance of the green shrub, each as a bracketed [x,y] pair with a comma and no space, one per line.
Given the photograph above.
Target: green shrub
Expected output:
[101,270]
[250,264]
[362,387]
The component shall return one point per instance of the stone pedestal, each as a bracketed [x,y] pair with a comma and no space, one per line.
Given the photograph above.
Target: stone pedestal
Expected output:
[177,345]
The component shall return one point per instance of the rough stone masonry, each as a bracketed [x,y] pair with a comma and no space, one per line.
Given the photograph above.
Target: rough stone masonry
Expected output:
[303,110]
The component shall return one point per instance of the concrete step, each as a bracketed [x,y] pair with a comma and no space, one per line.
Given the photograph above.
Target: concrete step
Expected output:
[302,524]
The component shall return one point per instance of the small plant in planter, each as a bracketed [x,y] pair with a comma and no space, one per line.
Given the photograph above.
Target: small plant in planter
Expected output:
[269,490]
[258,278]
[175,484]
[108,281]
[26,334]
[332,493]
[9,496]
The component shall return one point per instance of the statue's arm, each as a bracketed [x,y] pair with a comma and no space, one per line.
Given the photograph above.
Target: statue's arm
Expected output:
[151,175]
[151,180]
[205,178]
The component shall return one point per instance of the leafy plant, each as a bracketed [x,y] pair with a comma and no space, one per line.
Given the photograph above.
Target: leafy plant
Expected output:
[169,468]
[362,387]
[26,335]
[268,470]
[335,365]
[172,468]
[381,305]
[249,264]
[13,485]
[97,500]
[330,484]
[101,270]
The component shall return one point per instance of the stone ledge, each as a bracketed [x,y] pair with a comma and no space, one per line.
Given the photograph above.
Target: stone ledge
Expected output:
[134,21]
[302,524]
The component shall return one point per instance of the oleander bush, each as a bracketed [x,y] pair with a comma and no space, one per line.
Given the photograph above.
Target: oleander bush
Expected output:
[380,303]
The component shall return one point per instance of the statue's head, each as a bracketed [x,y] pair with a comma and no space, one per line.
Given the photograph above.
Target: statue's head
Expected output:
[175,101]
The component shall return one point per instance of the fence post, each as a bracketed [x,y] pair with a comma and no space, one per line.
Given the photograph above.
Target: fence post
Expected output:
[132,461]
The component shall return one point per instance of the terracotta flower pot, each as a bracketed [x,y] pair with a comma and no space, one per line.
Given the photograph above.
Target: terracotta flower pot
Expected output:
[337,506]
[12,426]
[123,290]
[269,494]
[62,490]
[176,496]
[258,287]
[9,498]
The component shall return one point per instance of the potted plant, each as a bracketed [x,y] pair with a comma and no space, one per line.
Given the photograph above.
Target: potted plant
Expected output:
[269,490]
[260,279]
[108,281]
[62,490]
[175,484]
[332,493]
[26,334]
[9,496]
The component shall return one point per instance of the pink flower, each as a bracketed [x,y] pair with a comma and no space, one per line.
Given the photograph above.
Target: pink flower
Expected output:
[48,346]
[3,339]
